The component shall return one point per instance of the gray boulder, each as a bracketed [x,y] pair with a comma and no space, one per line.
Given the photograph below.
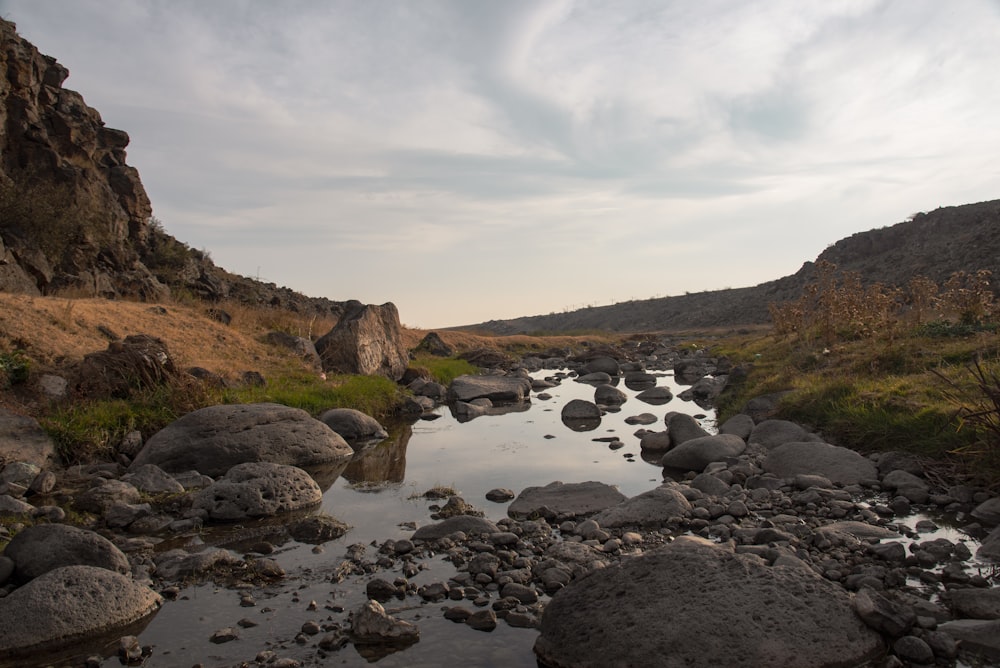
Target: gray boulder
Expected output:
[467,524]
[652,508]
[302,346]
[214,439]
[683,427]
[371,624]
[696,454]
[609,395]
[45,547]
[739,425]
[580,409]
[495,388]
[655,441]
[99,498]
[988,512]
[656,396]
[977,636]
[353,425]
[367,340]
[840,465]
[976,603]
[258,489]
[772,433]
[675,597]
[608,365]
[151,479]
[22,439]
[990,547]
[560,501]
[68,605]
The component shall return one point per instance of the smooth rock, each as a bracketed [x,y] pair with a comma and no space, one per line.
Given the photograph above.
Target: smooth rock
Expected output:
[258,489]
[371,624]
[354,426]
[41,548]
[697,453]
[652,508]
[772,433]
[495,388]
[560,501]
[840,465]
[465,523]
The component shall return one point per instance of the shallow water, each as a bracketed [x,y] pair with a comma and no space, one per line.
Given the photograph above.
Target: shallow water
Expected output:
[380,490]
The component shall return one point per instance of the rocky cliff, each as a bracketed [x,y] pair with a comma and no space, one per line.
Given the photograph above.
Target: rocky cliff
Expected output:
[74,216]
[934,244]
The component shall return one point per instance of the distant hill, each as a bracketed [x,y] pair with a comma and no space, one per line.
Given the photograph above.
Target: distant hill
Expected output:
[934,244]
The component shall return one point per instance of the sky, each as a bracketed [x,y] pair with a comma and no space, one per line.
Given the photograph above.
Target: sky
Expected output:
[471,160]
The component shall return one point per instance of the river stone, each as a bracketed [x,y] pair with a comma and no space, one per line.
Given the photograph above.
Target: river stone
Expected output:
[656,396]
[609,395]
[151,479]
[608,365]
[561,501]
[11,506]
[976,603]
[214,439]
[655,441]
[977,636]
[22,439]
[696,454]
[580,409]
[100,498]
[652,508]
[682,427]
[988,512]
[353,425]
[694,603]
[371,624]
[772,433]
[595,378]
[68,605]
[990,547]
[467,524]
[739,425]
[840,465]
[258,489]
[494,388]
[366,340]
[641,418]
[44,547]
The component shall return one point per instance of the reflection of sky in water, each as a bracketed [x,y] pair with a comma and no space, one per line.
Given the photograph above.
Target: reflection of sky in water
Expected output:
[509,451]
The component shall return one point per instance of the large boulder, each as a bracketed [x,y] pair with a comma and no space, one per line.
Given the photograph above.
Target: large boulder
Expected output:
[22,439]
[683,427]
[67,606]
[649,509]
[772,433]
[353,425]
[212,440]
[696,454]
[140,362]
[495,388]
[695,603]
[838,464]
[45,547]
[467,524]
[366,340]
[258,489]
[559,501]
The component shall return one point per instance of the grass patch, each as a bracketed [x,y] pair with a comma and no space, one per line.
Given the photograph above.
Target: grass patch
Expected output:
[374,395]
[444,369]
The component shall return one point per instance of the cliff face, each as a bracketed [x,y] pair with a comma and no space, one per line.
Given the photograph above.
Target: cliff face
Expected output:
[73,214]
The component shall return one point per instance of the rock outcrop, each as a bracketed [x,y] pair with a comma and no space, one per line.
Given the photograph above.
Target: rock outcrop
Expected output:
[366,340]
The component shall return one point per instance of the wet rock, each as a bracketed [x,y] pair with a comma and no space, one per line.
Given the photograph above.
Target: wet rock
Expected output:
[212,440]
[44,547]
[609,395]
[914,650]
[494,388]
[649,509]
[258,489]
[668,593]
[317,529]
[382,590]
[988,512]
[656,396]
[67,605]
[655,441]
[465,523]
[976,603]
[641,418]
[990,547]
[109,493]
[975,636]
[560,501]
[772,433]
[152,479]
[739,425]
[697,453]
[840,465]
[683,427]
[882,614]
[224,635]
[177,564]
[608,365]
[456,506]
[371,624]
[580,409]
[500,495]
[353,425]
[482,620]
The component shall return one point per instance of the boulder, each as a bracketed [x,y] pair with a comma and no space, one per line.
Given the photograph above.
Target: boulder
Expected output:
[372,624]
[609,395]
[140,362]
[990,547]
[22,439]
[696,454]
[988,512]
[302,346]
[41,548]
[655,441]
[99,498]
[214,439]
[656,396]
[772,433]
[978,637]
[67,606]
[739,425]
[467,524]
[683,427]
[607,365]
[258,489]
[151,479]
[366,340]
[639,380]
[580,409]
[433,344]
[353,425]
[840,465]
[695,603]
[560,501]
[649,509]
[495,388]
[976,603]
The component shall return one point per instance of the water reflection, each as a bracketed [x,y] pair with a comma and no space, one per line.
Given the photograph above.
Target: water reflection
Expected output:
[370,469]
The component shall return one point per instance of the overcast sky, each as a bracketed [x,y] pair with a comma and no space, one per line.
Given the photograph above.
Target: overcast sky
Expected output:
[471,159]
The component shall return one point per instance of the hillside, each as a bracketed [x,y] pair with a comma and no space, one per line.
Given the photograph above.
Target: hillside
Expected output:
[934,244]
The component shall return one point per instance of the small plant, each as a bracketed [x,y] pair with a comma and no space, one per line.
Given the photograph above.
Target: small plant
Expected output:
[445,369]
[15,366]
[977,405]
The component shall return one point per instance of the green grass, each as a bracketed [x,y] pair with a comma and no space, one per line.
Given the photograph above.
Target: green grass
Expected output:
[444,369]
[374,395]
